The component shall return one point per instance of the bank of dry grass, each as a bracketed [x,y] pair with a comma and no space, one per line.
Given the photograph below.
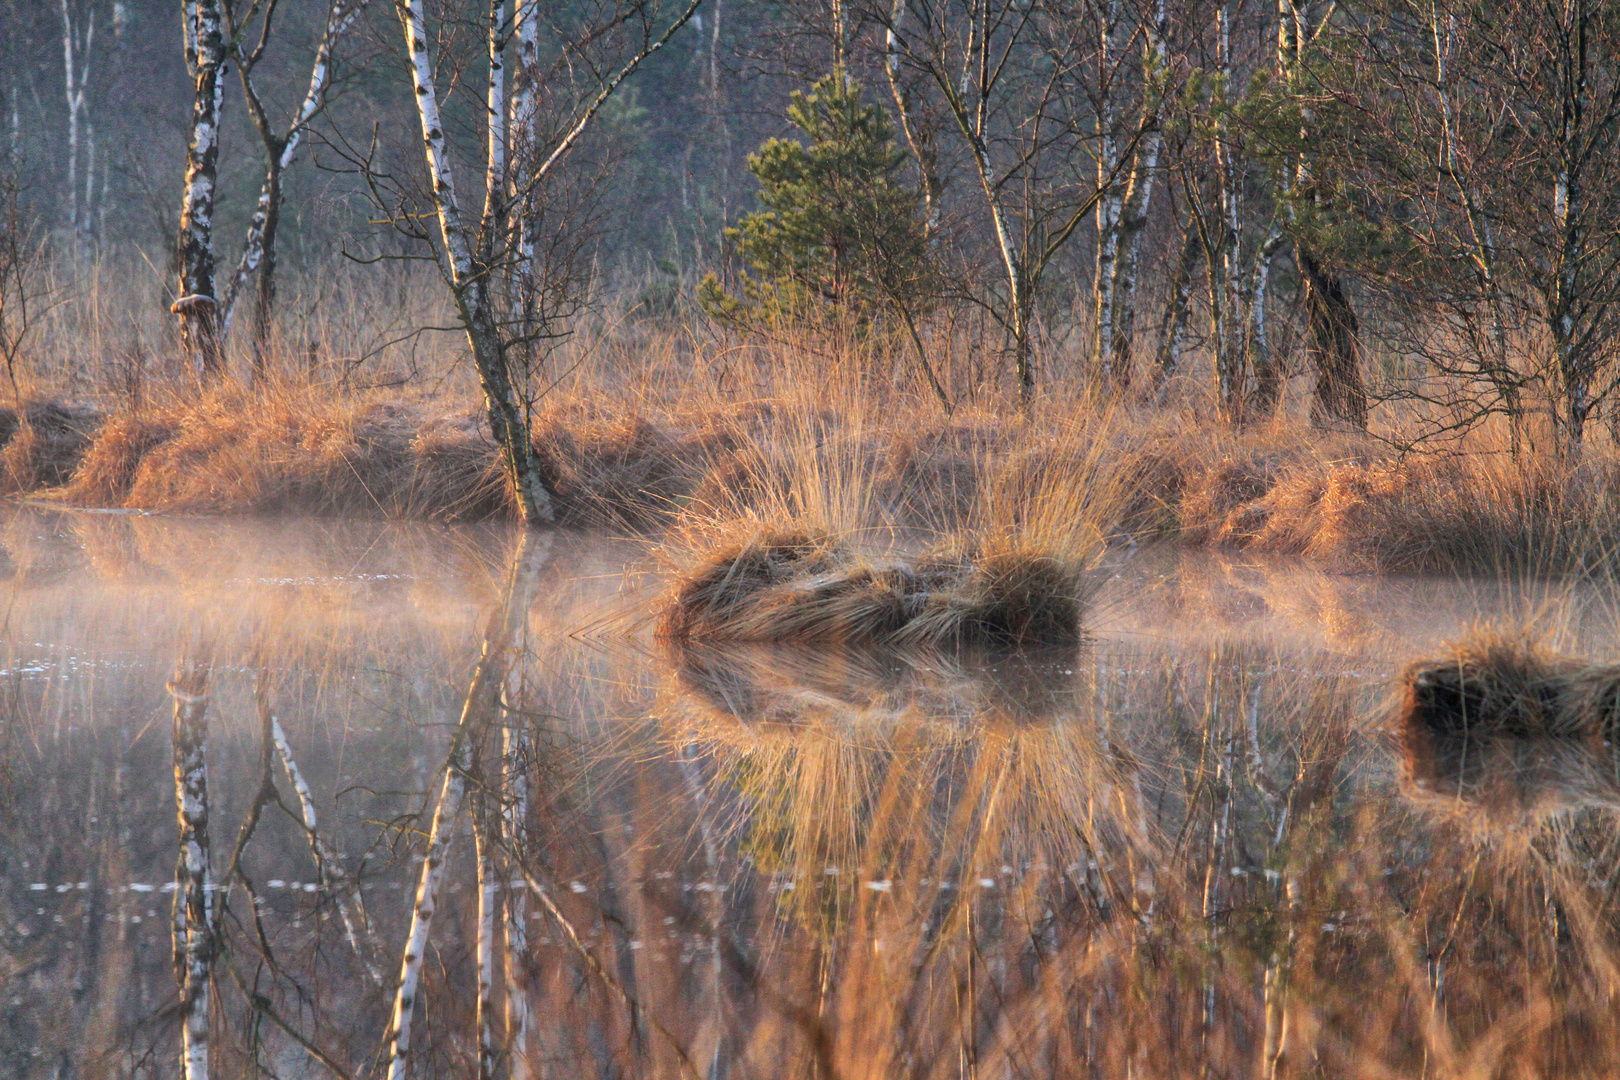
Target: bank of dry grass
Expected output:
[679,450]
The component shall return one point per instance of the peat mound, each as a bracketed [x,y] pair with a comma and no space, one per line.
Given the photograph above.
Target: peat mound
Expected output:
[804,588]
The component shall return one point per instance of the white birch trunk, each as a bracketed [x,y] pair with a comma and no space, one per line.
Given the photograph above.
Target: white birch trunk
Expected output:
[1173,327]
[1226,273]
[1010,259]
[1268,388]
[1139,194]
[427,892]
[75,101]
[524,142]
[197,305]
[495,107]
[483,835]
[471,289]
[195,895]
[1112,200]
[926,157]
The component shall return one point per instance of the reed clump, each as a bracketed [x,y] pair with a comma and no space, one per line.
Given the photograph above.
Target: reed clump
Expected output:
[1503,686]
[809,588]
[41,443]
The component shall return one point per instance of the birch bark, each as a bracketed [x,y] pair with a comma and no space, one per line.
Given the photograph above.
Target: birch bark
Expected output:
[1225,271]
[1139,195]
[515,765]
[77,45]
[329,865]
[1332,330]
[922,149]
[197,306]
[195,895]
[486,837]
[1112,199]
[1173,326]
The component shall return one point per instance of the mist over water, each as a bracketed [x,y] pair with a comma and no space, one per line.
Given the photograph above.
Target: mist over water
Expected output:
[1189,847]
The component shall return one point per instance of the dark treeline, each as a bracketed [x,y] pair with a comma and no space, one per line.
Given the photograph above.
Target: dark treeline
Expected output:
[1396,199]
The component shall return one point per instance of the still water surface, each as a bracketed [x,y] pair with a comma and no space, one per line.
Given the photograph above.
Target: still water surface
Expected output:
[1191,848]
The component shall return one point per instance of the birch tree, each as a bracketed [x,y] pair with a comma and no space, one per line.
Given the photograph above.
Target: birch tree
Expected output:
[79,54]
[1332,331]
[1235,214]
[1131,223]
[474,246]
[281,143]
[203,23]
[1499,132]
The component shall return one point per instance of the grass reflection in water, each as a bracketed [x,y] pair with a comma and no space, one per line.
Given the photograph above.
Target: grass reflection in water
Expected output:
[1125,858]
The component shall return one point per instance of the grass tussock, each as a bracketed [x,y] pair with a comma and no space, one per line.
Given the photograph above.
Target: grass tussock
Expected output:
[299,451]
[42,443]
[807,588]
[1503,686]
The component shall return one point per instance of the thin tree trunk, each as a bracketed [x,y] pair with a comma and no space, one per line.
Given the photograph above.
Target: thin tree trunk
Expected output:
[922,149]
[197,305]
[1333,336]
[1268,377]
[1138,197]
[1173,327]
[259,246]
[194,896]
[264,301]
[1481,235]
[486,838]
[77,50]
[515,767]
[1110,205]
[1226,274]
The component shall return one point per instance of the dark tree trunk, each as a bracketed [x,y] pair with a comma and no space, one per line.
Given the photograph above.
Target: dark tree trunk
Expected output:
[1333,343]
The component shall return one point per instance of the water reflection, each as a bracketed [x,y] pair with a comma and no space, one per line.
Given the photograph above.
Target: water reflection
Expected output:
[1191,848]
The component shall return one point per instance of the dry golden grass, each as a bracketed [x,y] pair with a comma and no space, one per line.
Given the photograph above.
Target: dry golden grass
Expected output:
[651,427]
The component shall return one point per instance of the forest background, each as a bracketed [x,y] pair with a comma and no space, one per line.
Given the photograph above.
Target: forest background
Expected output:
[1393,217]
